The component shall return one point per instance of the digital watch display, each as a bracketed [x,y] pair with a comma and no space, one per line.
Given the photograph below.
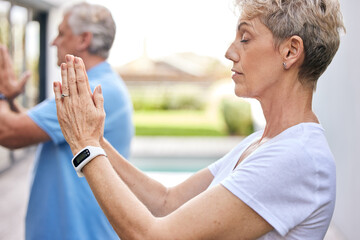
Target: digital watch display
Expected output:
[84,156]
[81,157]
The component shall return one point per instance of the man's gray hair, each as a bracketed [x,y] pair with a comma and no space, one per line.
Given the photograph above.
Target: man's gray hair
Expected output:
[96,19]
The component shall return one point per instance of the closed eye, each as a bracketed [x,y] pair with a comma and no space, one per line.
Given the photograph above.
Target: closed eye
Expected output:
[244,37]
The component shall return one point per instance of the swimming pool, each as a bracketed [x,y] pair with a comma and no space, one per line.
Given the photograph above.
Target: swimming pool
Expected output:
[171,171]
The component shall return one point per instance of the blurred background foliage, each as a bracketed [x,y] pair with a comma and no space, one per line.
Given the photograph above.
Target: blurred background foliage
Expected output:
[236,114]
[184,94]
[179,110]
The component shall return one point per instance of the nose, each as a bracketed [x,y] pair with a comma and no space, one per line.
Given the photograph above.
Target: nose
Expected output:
[53,43]
[232,54]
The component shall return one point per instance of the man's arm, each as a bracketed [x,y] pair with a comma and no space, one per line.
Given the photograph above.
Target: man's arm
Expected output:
[17,129]
[15,107]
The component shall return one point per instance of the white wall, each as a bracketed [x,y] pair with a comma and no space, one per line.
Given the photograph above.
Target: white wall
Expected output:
[337,105]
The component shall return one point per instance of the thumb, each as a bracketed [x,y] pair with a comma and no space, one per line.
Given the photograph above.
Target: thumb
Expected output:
[98,97]
[24,78]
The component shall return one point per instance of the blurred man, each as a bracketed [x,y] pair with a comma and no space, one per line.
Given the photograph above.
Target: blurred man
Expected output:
[61,205]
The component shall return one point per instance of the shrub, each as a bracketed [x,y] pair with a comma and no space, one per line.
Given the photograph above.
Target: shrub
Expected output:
[237,116]
[159,99]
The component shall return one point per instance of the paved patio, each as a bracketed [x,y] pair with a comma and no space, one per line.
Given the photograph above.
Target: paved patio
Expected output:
[14,183]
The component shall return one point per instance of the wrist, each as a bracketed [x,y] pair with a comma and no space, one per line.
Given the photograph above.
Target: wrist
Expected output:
[13,106]
[102,141]
[2,97]
[8,97]
[77,146]
[84,156]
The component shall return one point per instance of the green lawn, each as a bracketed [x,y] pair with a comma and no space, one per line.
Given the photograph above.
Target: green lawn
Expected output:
[177,123]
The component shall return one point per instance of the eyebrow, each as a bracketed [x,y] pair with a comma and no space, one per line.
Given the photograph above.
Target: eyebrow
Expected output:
[242,24]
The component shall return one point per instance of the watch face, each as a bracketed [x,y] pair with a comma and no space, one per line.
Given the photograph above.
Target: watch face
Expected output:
[81,157]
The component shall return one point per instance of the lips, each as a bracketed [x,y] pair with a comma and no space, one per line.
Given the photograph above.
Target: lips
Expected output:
[236,72]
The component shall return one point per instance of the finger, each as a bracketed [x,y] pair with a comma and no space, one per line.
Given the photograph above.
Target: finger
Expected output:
[71,77]
[57,92]
[87,79]
[3,51]
[7,64]
[23,80]
[65,87]
[2,56]
[98,98]
[86,76]
[81,79]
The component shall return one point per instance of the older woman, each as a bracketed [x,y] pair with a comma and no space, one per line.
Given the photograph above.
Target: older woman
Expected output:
[278,183]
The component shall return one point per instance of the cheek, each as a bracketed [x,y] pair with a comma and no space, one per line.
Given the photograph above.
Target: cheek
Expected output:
[60,43]
[262,64]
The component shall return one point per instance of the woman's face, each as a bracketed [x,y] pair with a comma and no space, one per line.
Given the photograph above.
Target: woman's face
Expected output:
[257,64]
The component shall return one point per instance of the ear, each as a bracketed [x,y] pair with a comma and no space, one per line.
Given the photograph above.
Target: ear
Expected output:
[292,51]
[85,41]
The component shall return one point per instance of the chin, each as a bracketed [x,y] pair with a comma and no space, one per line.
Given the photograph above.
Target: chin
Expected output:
[239,93]
[60,60]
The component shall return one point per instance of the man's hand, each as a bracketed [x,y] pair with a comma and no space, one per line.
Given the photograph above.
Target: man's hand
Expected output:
[9,86]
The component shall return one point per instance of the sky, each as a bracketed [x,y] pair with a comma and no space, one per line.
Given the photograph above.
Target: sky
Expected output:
[205,27]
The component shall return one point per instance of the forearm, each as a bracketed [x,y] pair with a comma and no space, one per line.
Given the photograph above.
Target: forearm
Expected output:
[18,130]
[15,107]
[215,214]
[7,131]
[150,192]
[128,216]
[160,200]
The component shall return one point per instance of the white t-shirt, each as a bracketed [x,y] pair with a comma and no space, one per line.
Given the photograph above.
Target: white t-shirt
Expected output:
[289,181]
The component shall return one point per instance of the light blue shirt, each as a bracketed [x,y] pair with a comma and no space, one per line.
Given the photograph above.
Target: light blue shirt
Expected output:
[61,205]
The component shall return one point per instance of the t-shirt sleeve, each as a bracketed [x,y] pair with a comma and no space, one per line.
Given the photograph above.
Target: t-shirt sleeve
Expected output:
[280,185]
[215,167]
[44,115]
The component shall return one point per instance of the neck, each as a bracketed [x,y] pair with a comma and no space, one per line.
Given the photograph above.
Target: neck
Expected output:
[91,60]
[287,107]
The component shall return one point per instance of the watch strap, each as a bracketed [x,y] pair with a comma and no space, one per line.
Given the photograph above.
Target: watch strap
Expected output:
[2,97]
[84,156]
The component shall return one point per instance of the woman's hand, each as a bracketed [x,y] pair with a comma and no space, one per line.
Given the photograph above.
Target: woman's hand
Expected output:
[9,86]
[80,113]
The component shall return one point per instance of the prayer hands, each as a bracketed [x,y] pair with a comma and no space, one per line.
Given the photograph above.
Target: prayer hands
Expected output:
[80,113]
[9,86]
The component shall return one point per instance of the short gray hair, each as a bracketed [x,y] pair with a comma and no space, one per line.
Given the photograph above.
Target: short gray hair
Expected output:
[96,19]
[317,22]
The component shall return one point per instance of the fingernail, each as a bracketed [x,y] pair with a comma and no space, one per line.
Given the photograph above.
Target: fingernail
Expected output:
[68,58]
[77,60]
[100,91]
[54,85]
